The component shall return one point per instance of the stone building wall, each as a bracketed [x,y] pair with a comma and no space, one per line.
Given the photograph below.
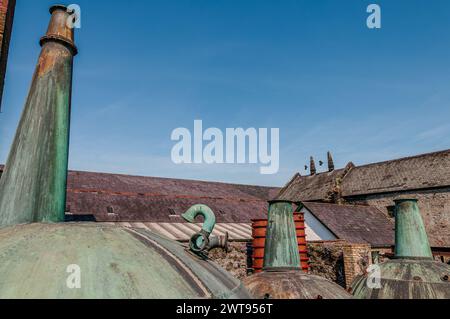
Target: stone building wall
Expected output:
[434,206]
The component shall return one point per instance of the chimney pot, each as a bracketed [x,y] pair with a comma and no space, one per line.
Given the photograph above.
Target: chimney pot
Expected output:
[312,166]
[330,162]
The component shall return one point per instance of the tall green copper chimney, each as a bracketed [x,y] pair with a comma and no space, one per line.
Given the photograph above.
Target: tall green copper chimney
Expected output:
[411,240]
[413,273]
[283,277]
[33,185]
[281,248]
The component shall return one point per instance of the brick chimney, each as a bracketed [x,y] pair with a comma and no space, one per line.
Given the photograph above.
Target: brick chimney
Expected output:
[330,162]
[6,22]
[312,166]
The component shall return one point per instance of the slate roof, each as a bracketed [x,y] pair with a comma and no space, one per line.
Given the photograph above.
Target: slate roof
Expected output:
[355,223]
[124,198]
[409,173]
[424,171]
[312,188]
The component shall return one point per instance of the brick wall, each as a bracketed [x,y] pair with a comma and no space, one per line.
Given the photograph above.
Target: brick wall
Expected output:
[6,21]
[357,257]
[434,206]
[339,261]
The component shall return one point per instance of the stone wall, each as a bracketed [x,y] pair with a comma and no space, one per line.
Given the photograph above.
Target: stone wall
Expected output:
[434,206]
[235,261]
[326,259]
[338,261]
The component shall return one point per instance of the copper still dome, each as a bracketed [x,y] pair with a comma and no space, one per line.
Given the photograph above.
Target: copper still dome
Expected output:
[413,273]
[113,263]
[43,257]
[282,276]
[293,284]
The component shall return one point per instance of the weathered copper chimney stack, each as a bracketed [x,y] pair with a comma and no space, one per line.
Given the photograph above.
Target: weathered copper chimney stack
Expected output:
[33,185]
[413,273]
[281,248]
[411,240]
[282,276]
[330,162]
[312,166]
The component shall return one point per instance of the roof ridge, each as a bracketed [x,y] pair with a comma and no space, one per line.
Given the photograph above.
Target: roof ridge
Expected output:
[285,187]
[404,158]
[334,204]
[344,205]
[321,173]
[173,179]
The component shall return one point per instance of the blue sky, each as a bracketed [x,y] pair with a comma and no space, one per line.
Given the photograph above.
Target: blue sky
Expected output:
[311,68]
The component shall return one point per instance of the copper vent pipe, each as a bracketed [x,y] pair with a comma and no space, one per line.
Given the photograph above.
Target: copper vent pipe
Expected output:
[33,185]
[281,246]
[411,240]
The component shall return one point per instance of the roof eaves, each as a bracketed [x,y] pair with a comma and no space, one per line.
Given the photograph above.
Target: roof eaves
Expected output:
[293,179]
[321,221]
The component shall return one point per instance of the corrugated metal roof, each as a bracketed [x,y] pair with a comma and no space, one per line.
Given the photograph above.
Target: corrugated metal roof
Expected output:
[184,231]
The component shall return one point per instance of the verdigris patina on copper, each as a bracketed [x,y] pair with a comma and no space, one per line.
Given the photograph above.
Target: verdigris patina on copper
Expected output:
[413,274]
[283,277]
[33,184]
[38,256]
